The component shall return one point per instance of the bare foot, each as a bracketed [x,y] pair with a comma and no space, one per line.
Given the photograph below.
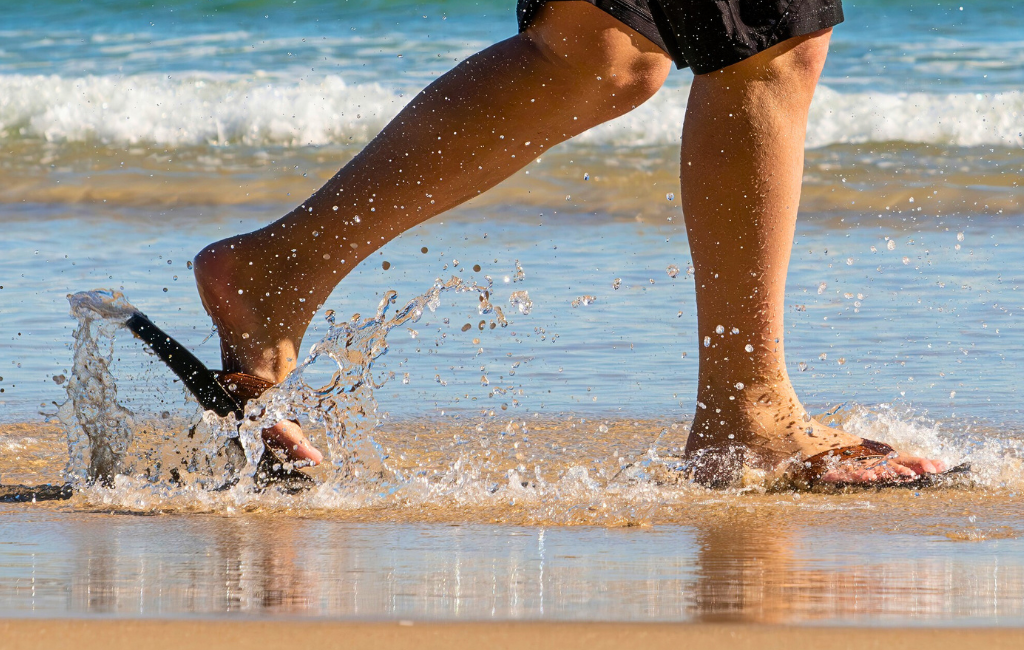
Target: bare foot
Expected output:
[259,330]
[767,428]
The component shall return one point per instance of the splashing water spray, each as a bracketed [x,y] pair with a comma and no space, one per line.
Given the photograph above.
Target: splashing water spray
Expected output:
[100,428]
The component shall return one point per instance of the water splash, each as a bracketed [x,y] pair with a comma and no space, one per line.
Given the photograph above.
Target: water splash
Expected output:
[99,428]
[498,466]
[344,405]
[332,388]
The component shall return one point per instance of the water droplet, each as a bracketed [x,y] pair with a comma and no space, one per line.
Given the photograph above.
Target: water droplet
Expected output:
[670,196]
[672,270]
[467,327]
[329,316]
[822,287]
[586,177]
[748,347]
[188,265]
[906,260]
[385,265]
[424,250]
[245,335]
[521,301]
[739,385]
[707,341]
[735,330]
[170,261]
[720,329]
[849,261]
[584,301]
[405,378]
[616,283]
[891,245]
[476,268]
[802,365]
[603,428]
[316,233]
[356,218]
[59,379]
[165,289]
[959,236]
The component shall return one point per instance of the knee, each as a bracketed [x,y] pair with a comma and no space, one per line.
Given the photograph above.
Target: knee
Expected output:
[783,74]
[599,57]
[803,62]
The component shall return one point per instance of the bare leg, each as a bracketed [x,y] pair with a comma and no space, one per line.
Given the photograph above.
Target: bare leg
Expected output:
[741,167]
[575,67]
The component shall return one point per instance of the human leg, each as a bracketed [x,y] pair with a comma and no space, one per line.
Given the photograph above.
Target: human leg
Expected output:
[741,169]
[575,67]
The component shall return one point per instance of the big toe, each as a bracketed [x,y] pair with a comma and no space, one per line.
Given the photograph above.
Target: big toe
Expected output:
[287,436]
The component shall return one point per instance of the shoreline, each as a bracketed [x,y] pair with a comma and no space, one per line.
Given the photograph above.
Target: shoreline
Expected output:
[115,634]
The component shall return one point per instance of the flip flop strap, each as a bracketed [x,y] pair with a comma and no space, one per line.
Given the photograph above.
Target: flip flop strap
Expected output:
[816,466]
[243,386]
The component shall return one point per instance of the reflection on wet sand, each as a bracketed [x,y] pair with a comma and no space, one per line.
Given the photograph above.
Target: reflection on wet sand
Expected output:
[739,567]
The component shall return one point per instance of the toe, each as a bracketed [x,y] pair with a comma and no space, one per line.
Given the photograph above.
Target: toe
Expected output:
[922,465]
[288,437]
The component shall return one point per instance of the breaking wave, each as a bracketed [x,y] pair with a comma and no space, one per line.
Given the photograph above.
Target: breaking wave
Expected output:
[255,110]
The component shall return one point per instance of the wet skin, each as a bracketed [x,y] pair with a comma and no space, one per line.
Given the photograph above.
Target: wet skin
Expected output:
[574,68]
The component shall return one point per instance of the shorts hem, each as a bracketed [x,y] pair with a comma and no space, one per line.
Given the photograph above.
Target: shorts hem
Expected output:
[801,24]
[621,11]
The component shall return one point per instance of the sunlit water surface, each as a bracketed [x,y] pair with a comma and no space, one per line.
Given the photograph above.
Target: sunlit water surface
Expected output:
[531,469]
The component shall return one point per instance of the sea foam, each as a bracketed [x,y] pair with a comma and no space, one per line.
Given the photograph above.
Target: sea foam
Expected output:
[255,110]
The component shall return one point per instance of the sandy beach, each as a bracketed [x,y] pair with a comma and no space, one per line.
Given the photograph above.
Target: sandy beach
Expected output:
[216,635]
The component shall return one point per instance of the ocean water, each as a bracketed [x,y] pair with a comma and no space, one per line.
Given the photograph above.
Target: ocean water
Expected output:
[135,133]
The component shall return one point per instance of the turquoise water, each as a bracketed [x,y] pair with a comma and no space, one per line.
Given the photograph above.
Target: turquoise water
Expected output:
[175,73]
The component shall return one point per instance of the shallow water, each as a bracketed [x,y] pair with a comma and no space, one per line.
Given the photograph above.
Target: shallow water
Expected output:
[932,559]
[529,471]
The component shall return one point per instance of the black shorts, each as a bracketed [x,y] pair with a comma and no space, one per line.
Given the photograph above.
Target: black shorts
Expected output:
[708,35]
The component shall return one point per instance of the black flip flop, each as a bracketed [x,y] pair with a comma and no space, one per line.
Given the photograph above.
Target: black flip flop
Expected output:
[205,386]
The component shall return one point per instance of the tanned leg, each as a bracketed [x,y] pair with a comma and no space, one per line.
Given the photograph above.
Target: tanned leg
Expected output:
[741,168]
[575,67]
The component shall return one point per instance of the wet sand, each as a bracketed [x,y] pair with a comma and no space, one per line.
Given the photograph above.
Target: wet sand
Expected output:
[213,635]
